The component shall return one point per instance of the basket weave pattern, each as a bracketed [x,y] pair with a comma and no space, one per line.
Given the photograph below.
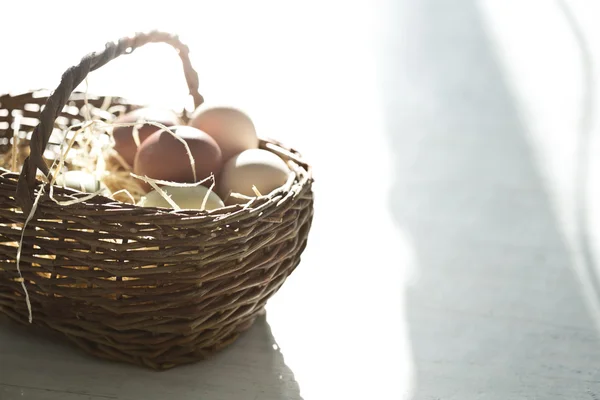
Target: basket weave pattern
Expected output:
[148,286]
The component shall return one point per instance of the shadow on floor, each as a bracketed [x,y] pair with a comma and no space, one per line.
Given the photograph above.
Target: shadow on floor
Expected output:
[496,311]
[33,367]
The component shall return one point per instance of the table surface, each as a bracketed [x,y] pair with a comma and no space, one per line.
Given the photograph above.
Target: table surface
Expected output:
[453,253]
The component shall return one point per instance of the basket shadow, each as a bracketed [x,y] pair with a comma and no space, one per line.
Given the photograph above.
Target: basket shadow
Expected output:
[37,366]
[496,309]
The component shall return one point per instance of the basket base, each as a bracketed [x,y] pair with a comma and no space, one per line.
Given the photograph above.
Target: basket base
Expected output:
[159,358]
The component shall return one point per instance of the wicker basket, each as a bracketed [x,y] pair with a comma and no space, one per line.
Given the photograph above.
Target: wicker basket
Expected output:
[149,286]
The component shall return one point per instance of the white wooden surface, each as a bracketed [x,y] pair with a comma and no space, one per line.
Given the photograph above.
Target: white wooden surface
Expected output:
[445,263]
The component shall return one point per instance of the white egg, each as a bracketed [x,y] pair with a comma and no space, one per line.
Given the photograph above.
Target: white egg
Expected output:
[187,198]
[80,180]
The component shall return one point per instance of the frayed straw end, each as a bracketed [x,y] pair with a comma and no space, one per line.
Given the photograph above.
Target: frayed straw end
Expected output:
[20,248]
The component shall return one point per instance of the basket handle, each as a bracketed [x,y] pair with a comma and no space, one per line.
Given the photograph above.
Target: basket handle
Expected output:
[69,81]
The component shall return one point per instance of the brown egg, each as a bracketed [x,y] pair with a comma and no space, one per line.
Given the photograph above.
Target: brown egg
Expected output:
[257,167]
[231,128]
[124,142]
[163,157]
